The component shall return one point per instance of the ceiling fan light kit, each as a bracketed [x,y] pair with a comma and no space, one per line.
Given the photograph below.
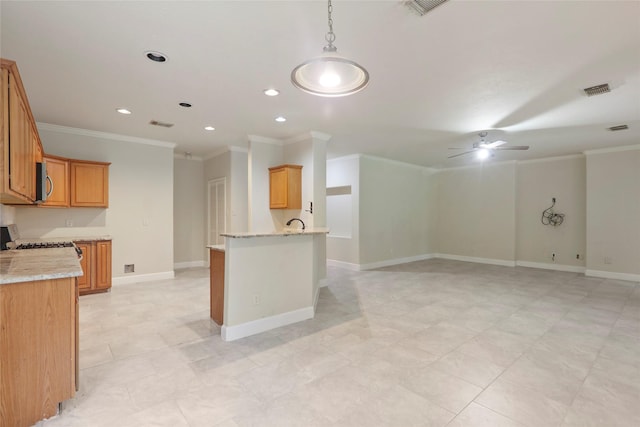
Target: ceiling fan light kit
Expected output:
[330,75]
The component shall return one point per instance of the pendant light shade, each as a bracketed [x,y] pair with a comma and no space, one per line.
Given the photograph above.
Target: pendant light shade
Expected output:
[330,74]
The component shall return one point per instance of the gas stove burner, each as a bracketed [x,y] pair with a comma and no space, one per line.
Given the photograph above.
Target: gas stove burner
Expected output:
[45,245]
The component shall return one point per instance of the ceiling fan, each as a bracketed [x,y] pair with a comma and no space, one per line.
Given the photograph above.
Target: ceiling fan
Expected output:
[485,149]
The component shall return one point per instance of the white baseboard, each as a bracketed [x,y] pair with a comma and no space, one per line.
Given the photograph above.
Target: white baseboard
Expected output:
[379,264]
[231,333]
[190,264]
[342,264]
[613,275]
[548,266]
[492,261]
[137,278]
[395,261]
[323,283]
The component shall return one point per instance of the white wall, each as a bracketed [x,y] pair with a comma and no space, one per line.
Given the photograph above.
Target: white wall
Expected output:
[476,212]
[394,211]
[538,182]
[613,212]
[263,154]
[140,213]
[237,190]
[189,210]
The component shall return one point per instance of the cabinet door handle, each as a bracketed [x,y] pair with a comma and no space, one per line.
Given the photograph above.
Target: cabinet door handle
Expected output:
[51,184]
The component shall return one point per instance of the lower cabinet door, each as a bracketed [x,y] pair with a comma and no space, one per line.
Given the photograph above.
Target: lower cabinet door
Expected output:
[103,264]
[84,281]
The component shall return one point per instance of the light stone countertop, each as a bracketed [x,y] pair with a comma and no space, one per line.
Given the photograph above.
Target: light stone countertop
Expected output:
[63,239]
[283,233]
[216,247]
[29,265]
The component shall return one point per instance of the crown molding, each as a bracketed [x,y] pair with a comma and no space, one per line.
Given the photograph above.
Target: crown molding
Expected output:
[104,135]
[612,150]
[481,165]
[552,159]
[265,140]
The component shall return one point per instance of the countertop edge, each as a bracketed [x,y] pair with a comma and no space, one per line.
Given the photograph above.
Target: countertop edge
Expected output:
[247,234]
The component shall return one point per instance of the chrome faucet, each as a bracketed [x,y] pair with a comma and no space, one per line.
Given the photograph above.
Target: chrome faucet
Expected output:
[295,219]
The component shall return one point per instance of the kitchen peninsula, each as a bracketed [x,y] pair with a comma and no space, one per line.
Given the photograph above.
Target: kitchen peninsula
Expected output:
[270,279]
[38,332]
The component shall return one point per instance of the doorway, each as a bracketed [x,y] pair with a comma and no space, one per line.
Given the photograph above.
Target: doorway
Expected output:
[216,210]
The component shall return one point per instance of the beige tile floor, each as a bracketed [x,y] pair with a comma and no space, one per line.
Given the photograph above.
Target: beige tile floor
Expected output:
[430,343]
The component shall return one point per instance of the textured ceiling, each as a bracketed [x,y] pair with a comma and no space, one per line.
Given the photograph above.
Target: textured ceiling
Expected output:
[518,67]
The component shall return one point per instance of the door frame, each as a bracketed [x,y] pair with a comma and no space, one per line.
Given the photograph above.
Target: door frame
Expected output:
[210,184]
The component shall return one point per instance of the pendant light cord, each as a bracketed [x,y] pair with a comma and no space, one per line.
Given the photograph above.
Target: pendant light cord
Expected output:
[330,37]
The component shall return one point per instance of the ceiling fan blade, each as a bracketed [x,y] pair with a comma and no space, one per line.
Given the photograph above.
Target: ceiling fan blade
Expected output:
[460,154]
[515,147]
[494,144]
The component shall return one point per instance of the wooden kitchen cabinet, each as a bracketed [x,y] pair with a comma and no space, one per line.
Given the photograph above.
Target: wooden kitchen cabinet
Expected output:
[216,266]
[285,187]
[96,266]
[38,361]
[20,145]
[89,183]
[57,182]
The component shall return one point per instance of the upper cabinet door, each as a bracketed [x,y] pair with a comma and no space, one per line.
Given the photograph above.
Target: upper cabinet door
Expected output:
[89,184]
[57,182]
[22,168]
[20,146]
[285,187]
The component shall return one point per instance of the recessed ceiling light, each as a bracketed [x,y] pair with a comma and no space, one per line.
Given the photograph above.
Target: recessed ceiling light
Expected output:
[123,111]
[185,104]
[280,119]
[271,92]
[156,56]
[209,128]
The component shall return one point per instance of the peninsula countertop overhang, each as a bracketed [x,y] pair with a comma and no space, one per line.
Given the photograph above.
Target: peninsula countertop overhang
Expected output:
[38,264]
[283,233]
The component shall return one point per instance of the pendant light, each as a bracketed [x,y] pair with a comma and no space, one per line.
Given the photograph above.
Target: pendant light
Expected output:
[330,74]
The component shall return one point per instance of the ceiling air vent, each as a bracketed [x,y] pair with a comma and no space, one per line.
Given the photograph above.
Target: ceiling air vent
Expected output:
[619,127]
[422,7]
[162,124]
[597,90]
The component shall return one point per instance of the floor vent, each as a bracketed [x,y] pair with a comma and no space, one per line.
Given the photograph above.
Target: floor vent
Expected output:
[162,124]
[422,7]
[597,90]
[619,127]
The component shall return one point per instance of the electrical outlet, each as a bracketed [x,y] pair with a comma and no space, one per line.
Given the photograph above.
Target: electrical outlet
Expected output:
[129,268]
[69,223]
[553,257]
[577,256]
[256,299]
[608,260]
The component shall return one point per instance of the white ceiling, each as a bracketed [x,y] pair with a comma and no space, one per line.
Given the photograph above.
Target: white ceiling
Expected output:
[436,80]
